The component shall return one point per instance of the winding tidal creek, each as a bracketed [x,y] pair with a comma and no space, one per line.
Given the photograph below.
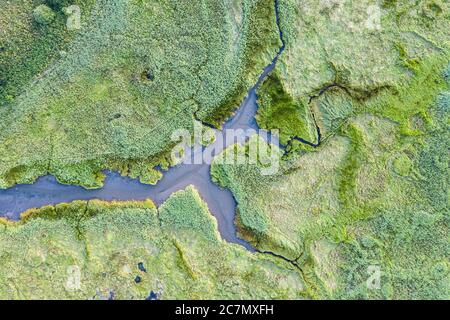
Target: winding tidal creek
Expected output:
[48,191]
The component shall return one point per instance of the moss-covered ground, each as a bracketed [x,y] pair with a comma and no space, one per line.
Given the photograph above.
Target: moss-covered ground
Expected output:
[339,54]
[370,196]
[374,194]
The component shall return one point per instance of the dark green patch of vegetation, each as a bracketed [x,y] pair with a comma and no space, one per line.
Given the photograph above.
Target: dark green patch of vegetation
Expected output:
[278,110]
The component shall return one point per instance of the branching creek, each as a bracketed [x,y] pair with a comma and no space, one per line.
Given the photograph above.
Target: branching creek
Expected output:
[48,191]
